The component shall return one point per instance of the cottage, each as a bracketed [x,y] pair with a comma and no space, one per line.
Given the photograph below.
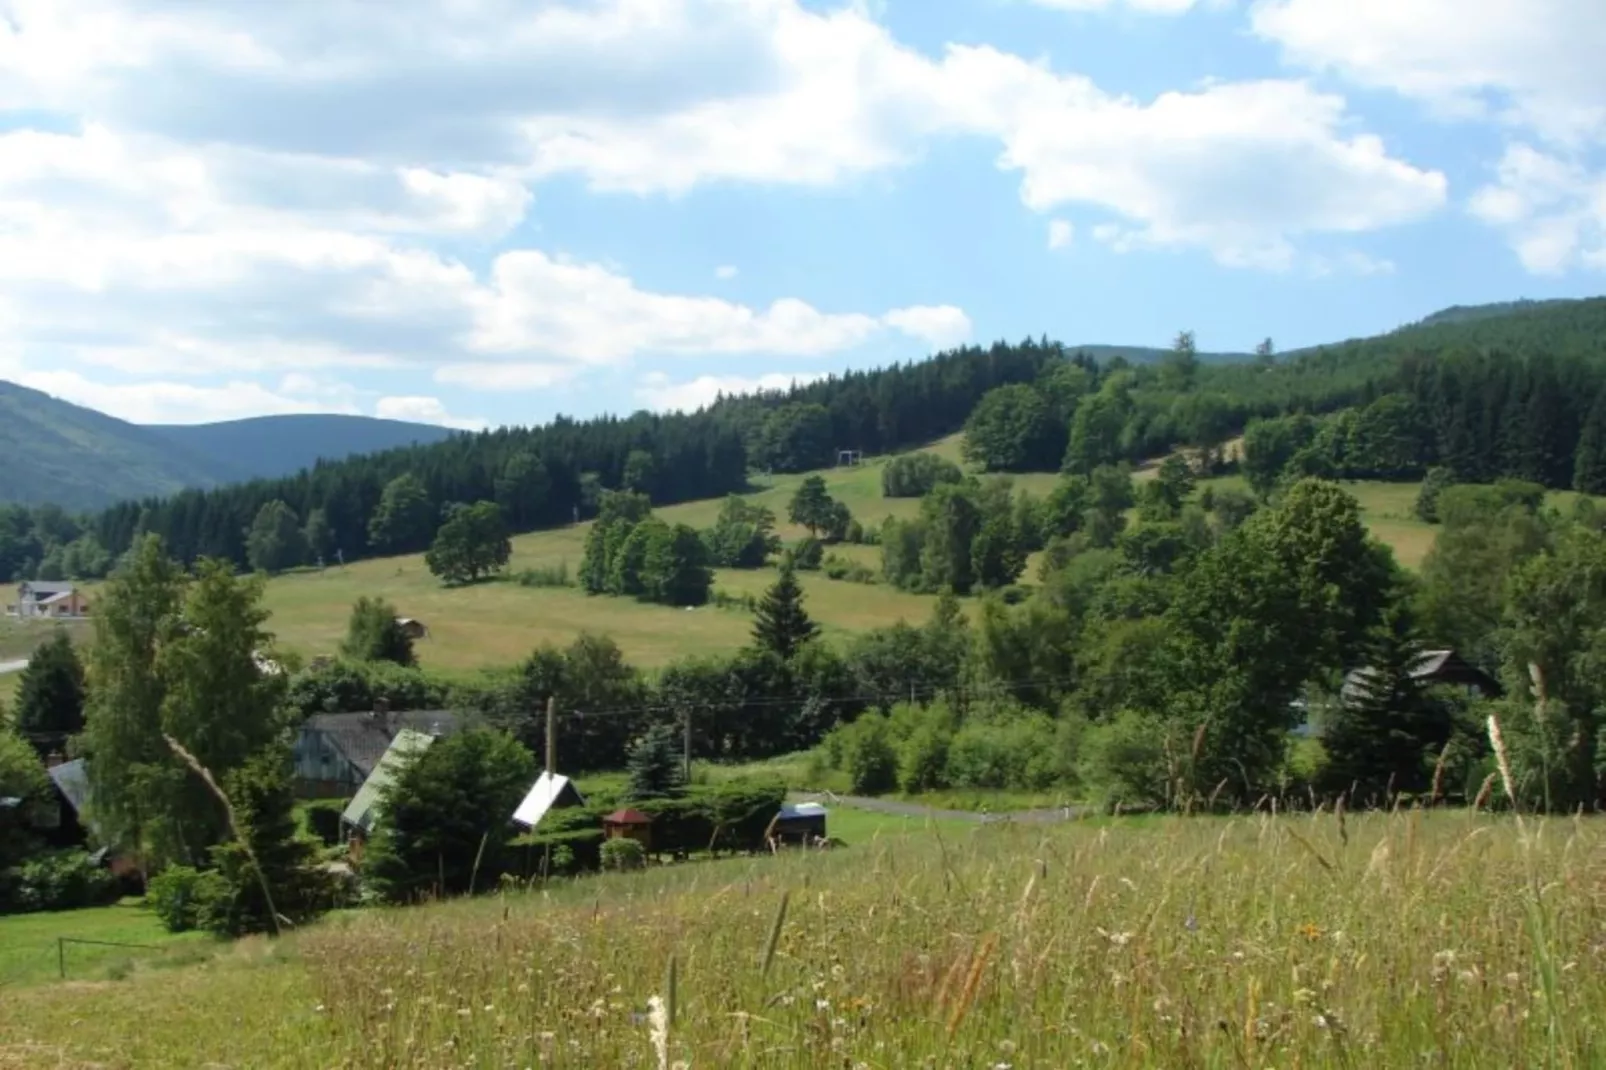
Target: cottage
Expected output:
[413,629]
[799,823]
[628,824]
[1433,668]
[361,812]
[551,792]
[335,753]
[47,599]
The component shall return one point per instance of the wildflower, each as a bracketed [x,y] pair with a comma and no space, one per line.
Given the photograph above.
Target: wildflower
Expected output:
[1310,931]
[658,1016]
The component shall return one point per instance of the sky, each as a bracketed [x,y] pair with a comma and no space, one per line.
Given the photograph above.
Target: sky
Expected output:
[485,212]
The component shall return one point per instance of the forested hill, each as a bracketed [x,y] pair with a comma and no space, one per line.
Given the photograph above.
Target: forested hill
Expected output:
[79,459]
[1502,394]
[263,447]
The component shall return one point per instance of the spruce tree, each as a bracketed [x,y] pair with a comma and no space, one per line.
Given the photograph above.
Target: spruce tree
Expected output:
[50,695]
[655,766]
[1387,729]
[781,625]
[1589,462]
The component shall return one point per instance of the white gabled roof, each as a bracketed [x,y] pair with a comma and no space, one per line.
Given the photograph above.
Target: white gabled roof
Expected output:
[361,811]
[549,788]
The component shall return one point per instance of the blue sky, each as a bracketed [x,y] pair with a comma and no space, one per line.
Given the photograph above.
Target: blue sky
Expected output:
[487,212]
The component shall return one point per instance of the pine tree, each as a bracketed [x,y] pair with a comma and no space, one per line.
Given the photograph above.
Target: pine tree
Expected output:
[781,625]
[1386,729]
[655,766]
[50,696]
[263,804]
[1589,464]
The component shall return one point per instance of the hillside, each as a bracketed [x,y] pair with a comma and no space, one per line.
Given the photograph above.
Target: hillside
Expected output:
[82,460]
[266,447]
[1153,354]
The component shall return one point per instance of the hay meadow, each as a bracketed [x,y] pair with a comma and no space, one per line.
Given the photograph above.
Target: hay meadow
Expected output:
[1451,939]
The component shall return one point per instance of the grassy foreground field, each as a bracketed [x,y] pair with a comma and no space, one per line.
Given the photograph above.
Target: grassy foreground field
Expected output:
[1387,941]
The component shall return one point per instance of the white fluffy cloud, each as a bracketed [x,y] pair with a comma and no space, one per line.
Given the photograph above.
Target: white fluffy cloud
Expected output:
[1146,7]
[304,187]
[424,410]
[176,402]
[1553,210]
[660,393]
[1533,66]
[1060,234]
[1531,62]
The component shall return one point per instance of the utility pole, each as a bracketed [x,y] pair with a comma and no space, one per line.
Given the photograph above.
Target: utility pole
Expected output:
[552,735]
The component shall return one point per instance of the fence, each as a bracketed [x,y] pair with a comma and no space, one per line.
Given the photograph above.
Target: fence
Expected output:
[63,941]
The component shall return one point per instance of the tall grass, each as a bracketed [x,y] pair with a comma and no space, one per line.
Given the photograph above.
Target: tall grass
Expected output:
[1353,940]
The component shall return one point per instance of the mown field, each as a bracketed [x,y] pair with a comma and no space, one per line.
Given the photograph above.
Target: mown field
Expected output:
[1401,940]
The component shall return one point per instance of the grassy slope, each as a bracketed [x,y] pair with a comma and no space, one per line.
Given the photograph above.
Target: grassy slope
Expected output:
[1178,942]
[496,624]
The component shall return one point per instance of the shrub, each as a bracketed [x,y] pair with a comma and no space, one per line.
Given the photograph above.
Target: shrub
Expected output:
[923,759]
[345,686]
[912,475]
[840,568]
[180,896]
[620,854]
[323,820]
[808,553]
[868,756]
[1123,760]
[547,576]
[60,880]
[1015,754]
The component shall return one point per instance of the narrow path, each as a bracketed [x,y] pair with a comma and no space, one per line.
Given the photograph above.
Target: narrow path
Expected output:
[13,666]
[909,809]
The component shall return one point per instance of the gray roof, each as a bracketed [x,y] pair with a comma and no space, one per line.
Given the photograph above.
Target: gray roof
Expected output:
[364,737]
[47,587]
[72,780]
[362,810]
[549,791]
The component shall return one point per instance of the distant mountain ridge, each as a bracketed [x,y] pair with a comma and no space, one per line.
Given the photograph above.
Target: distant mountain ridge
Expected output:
[82,460]
[264,447]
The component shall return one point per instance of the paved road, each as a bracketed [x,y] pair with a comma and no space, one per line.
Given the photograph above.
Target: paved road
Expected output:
[13,666]
[907,809]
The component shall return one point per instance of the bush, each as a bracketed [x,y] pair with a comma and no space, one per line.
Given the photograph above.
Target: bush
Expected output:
[913,475]
[323,820]
[60,880]
[808,553]
[840,568]
[547,576]
[620,854]
[868,756]
[1123,761]
[1017,753]
[345,686]
[923,760]
[182,897]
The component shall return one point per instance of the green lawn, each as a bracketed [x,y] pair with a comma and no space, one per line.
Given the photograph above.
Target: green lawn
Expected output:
[30,950]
